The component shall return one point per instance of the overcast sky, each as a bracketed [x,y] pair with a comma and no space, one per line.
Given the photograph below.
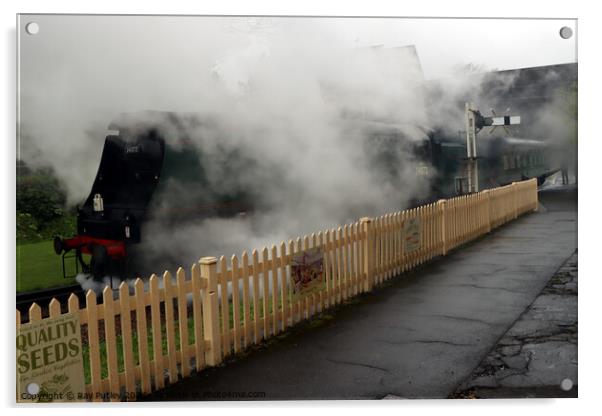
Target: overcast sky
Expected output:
[442,44]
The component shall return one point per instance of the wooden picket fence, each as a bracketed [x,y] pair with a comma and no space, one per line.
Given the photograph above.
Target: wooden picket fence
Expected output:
[166,328]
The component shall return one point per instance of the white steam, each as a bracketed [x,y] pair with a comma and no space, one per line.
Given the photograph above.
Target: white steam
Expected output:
[285,95]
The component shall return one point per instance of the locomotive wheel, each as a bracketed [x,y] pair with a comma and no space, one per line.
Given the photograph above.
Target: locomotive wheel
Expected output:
[99,262]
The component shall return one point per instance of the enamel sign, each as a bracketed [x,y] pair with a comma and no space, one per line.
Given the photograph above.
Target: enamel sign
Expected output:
[50,366]
[411,235]
[307,272]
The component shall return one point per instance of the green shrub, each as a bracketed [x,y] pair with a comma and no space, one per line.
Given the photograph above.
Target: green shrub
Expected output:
[27,228]
[40,195]
[41,211]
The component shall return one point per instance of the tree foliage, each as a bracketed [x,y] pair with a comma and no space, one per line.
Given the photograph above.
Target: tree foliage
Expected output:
[41,210]
[40,195]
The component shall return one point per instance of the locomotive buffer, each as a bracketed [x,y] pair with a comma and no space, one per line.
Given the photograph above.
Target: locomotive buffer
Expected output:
[475,122]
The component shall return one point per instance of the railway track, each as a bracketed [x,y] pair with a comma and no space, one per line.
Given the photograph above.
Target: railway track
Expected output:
[43,297]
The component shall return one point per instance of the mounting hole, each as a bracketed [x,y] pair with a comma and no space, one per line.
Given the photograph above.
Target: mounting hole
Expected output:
[566,384]
[32,388]
[566,32]
[32,28]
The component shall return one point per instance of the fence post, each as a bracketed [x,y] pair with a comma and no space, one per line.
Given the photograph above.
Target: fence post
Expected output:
[210,311]
[442,204]
[368,227]
[536,201]
[488,208]
[515,198]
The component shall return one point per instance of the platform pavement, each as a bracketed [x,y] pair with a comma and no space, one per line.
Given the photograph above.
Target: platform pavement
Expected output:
[538,355]
[419,336]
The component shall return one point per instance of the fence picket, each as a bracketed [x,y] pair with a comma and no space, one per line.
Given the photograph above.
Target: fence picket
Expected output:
[141,329]
[376,253]
[182,321]
[294,307]
[339,265]
[265,292]
[432,218]
[383,248]
[275,293]
[361,243]
[94,343]
[431,235]
[422,226]
[425,244]
[396,249]
[392,245]
[109,318]
[73,304]
[283,286]
[313,297]
[306,302]
[327,269]
[388,249]
[299,302]
[416,252]
[345,259]
[170,330]
[405,256]
[235,304]
[35,312]
[155,297]
[197,313]
[225,306]
[246,299]
[126,340]
[368,249]
[322,293]
[379,250]
[256,307]
[358,258]
[54,308]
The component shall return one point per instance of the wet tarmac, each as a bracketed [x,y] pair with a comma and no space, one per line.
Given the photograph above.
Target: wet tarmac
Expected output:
[420,336]
[537,357]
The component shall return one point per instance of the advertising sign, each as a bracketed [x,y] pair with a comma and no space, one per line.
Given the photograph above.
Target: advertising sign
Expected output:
[307,272]
[411,235]
[50,366]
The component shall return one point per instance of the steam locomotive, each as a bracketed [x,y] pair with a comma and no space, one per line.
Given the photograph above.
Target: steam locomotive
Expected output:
[149,169]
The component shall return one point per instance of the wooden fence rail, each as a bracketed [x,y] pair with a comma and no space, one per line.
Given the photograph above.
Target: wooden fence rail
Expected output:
[142,338]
